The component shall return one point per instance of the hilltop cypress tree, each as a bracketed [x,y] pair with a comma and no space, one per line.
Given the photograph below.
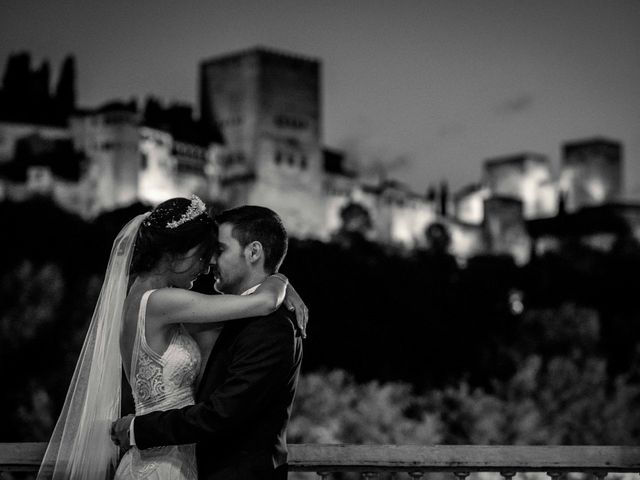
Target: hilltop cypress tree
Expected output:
[154,113]
[443,198]
[65,96]
[39,107]
[15,87]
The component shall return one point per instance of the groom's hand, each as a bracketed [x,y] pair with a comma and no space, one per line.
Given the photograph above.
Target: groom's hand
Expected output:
[120,431]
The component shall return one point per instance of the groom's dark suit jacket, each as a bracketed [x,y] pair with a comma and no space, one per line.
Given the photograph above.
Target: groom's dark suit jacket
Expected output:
[243,404]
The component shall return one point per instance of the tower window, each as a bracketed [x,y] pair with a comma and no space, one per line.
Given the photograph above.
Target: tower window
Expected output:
[288,121]
[278,157]
[303,162]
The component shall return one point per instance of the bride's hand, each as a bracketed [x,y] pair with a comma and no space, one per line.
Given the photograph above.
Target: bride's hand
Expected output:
[294,303]
[120,432]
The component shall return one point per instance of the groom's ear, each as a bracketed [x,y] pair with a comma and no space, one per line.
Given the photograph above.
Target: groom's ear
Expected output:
[254,251]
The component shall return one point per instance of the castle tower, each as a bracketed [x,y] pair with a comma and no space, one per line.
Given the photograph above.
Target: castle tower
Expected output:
[591,172]
[266,105]
[523,176]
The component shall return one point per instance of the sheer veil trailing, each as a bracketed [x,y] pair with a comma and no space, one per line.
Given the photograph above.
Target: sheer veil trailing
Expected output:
[80,446]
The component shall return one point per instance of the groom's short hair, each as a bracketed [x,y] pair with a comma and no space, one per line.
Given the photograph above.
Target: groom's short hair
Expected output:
[254,223]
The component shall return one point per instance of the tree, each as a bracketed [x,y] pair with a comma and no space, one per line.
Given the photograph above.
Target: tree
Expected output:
[15,87]
[438,238]
[333,408]
[39,106]
[154,114]
[355,219]
[65,94]
[355,225]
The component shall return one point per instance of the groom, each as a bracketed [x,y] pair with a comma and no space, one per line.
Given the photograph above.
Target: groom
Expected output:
[245,396]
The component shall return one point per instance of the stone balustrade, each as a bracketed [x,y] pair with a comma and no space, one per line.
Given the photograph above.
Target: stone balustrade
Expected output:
[415,461]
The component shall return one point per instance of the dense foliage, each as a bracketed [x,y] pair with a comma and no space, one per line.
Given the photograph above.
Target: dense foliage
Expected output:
[402,348]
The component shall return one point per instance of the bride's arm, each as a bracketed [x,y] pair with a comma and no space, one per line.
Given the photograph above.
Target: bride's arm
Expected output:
[175,305]
[292,302]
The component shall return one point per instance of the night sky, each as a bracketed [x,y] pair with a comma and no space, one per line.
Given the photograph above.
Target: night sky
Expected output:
[432,88]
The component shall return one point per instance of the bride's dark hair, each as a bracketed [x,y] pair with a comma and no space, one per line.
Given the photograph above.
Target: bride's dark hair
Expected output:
[172,228]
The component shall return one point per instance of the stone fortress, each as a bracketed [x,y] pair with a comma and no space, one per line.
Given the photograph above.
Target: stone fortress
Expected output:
[259,141]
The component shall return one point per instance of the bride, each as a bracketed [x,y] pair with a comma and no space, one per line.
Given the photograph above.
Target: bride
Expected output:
[143,325]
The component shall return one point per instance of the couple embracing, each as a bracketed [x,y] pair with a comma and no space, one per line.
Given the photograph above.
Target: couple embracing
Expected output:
[211,402]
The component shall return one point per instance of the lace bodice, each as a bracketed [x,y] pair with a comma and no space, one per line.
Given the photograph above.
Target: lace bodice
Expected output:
[161,382]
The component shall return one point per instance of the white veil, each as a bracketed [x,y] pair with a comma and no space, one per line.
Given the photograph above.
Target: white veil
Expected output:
[80,446]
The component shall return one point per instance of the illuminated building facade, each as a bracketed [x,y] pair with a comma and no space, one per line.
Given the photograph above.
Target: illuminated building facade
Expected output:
[525,177]
[259,141]
[107,158]
[591,173]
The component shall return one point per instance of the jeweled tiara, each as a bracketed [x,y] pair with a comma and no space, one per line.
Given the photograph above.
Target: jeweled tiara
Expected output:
[195,209]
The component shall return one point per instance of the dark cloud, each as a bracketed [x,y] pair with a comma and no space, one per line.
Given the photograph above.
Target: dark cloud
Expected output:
[514,105]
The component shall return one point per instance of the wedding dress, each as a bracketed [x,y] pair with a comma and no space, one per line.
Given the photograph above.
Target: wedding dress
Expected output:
[162,382]
[80,447]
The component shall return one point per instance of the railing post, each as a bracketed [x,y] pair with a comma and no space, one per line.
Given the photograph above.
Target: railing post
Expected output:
[554,475]
[508,475]
[461,475]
